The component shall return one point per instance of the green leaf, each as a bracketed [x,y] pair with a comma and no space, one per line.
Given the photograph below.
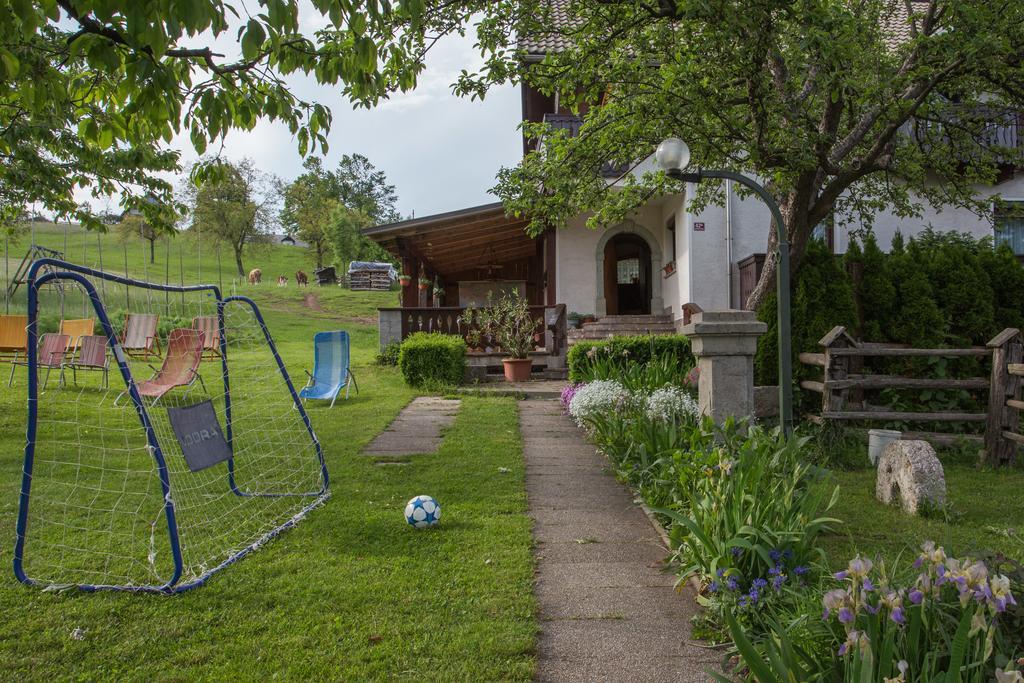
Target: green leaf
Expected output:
[253,39]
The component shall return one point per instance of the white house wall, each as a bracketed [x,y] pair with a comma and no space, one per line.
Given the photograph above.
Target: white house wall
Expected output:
[705,274]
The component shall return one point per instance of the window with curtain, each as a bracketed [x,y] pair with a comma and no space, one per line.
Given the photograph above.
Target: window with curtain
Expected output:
[1009,225]
[628,271]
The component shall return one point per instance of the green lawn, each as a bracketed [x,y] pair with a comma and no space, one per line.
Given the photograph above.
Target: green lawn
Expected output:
[351,593]
[987,514]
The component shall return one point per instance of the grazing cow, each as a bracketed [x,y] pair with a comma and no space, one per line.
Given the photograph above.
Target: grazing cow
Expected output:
[301,279]
[282,280]
[255,276]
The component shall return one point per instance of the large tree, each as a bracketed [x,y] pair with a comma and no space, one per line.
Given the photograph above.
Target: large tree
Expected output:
[328,208]
[842,107]
[237,206]
[91,91]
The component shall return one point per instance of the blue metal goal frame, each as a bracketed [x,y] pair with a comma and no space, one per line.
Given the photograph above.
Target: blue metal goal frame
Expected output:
[57,269]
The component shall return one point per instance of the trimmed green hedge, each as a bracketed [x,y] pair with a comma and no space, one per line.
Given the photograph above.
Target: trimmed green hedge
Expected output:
[641,349]
[431,358]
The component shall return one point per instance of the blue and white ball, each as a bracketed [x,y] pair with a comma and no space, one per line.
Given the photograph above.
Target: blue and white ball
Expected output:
[422,511]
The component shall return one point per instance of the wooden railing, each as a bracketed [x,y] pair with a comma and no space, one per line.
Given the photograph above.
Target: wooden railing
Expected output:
[552,327]
[844,382]
[1003,431]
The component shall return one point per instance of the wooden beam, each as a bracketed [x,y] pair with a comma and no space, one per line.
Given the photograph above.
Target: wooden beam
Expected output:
[1014,403]
[818,387]
[898,416]
[813,359]
[550,266]
[886,381]
[1015,369]
[1013,436]
[908,353]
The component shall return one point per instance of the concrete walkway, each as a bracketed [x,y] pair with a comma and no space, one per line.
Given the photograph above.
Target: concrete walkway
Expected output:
[608,610]
[417,429]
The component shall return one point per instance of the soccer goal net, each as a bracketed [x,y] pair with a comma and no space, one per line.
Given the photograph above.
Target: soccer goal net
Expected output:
[165,439]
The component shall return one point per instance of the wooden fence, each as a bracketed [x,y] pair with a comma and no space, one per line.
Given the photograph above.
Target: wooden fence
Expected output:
[844,384]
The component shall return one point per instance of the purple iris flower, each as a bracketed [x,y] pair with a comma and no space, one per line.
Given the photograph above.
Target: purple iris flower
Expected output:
[731,583]
[916,596]
[759,583]
[801,570]
[713,587]
[867,585]
[720,573]
[845,616]
[897,616]
[774,571]
[737,551]
[842,649]
[840,576]
[776,555]
[918,562]
[777,582]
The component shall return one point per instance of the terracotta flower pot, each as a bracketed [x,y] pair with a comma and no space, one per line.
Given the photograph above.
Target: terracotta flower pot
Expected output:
[404,281]
[517,369]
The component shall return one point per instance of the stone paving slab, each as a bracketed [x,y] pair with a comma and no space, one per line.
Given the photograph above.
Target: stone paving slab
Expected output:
[609,611]
[417,429]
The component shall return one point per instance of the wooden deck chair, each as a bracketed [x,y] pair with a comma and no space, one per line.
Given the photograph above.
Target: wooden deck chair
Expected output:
[210,327]
[140,337]
[76,329]
[91,355]
[51,350]
[13,336]
[331,369]
[180,368]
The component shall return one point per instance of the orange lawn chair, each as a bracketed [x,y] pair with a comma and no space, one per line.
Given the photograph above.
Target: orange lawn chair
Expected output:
[180,368]
[140,336]
[76,329]
[210,327]
[13,336]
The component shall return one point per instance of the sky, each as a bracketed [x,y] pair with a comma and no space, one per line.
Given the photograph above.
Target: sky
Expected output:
[441,152]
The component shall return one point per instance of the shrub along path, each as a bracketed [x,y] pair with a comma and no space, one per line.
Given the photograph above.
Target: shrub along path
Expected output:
[608,610]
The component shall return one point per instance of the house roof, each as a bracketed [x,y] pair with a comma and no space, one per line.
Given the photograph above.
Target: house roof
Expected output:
[458,241]
[562,18]
[896,27]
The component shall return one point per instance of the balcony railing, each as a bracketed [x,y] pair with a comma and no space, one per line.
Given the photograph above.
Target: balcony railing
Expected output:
[550,332]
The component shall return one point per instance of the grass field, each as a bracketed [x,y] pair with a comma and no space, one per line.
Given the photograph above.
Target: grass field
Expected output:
[351,593]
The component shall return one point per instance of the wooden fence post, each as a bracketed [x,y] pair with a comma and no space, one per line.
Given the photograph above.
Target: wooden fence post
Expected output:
[1006,350]
[836,368]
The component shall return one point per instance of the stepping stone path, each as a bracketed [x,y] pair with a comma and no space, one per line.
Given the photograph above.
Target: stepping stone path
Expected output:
[417,429]
[609,611]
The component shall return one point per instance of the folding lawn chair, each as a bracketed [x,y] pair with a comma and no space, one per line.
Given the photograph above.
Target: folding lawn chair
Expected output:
[210,327]
[51,350]
[180,368]
[76,329]
[91,355]
[331,369]
[13,336]
[140,336]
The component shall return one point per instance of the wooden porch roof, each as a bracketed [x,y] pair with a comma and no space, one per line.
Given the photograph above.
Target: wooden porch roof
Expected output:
[458,241]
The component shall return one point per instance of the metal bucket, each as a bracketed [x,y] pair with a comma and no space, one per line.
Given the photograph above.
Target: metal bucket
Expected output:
[878,439]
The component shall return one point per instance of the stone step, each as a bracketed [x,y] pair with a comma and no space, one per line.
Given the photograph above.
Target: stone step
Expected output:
[632,319]
[666,328]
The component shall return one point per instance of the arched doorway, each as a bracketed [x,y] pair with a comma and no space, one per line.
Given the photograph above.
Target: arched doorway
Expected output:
[627,275]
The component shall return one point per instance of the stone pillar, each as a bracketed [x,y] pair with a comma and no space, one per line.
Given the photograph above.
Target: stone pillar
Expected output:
[724,343]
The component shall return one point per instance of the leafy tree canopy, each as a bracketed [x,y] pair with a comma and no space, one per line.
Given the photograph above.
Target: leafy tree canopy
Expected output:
[91,91]
[840,106]
[238,206]
[328,209]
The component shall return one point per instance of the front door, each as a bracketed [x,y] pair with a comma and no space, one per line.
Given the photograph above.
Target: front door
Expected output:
[627,276]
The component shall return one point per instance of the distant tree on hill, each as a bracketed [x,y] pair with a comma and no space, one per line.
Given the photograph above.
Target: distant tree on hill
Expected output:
[328,209]
[236,205]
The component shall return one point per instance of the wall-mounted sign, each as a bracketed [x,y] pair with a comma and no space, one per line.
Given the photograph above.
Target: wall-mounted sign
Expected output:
[698,227]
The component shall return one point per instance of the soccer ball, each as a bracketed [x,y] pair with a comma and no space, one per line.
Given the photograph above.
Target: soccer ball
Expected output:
[422,511]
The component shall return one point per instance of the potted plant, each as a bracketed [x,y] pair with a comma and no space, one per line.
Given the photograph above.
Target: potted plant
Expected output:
[474,336]
[575,320]
[424,283]
[508,323]
[405,279]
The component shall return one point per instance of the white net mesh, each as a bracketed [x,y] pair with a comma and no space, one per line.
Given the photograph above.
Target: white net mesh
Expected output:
[96,513]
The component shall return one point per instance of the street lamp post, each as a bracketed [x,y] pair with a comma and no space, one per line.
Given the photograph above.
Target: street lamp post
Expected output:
[673,157]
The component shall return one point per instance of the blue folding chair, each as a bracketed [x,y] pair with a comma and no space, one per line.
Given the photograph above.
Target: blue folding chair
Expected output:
[331,369]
